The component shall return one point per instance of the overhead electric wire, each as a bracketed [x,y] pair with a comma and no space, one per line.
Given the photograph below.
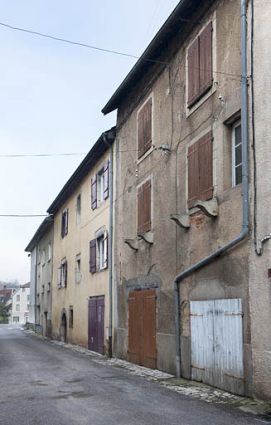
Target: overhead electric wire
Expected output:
[88,46]
[24,215]
[58,154]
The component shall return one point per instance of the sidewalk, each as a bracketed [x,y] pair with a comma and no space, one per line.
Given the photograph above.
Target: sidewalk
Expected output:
[182,386]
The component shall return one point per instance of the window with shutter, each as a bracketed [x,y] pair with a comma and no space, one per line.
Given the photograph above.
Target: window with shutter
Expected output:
[64,223]
[144,128]
[92,256]
[94,192]
[200,170]
[144,207]
[106,180]
[200,65]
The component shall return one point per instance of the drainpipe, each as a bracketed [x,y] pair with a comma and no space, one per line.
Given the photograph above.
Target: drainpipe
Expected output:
[106,139]
[222,250]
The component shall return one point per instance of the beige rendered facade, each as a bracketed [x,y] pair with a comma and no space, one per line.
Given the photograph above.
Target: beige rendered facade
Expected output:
[77,283]
[180,161]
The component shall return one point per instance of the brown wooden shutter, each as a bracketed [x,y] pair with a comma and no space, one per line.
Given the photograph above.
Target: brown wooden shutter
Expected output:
[206,62]
[144,122]
[140,211]
[147,206]
[206,166]
[94,192]
[92,256]
[106,180]
[193,174]
[148,125]
[193,72]
[140,127]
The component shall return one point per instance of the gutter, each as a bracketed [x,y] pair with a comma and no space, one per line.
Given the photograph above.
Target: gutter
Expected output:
[244,124]
[107,138]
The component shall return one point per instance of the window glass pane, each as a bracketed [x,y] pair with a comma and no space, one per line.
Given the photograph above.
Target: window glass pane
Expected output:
[238,175]
[238,155]
[238,136]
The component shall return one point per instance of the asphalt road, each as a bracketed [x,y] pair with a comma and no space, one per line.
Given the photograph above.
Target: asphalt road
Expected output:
[42,383]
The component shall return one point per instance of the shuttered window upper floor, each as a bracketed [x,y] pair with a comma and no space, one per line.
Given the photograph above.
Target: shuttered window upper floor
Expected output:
[200,170]
[144,128]
[200,65]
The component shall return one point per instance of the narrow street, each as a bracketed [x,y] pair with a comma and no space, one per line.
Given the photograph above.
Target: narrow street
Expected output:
[43,383]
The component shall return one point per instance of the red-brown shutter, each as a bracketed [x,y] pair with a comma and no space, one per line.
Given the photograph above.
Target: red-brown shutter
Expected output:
[193,174]
[94,192]
[193,72]
[147,206]
[144,122]
[148,125]
[140,211]
[106,180]
[92,256]
[140,126]
[206,62]
[206,167]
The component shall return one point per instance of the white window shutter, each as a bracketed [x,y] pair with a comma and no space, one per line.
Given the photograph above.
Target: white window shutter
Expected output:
[105,249]
[59,276]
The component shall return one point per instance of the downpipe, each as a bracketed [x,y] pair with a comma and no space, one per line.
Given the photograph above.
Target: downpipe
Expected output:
[244,124]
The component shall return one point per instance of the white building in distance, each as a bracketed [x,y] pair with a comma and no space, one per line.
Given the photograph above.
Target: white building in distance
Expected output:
[20,305]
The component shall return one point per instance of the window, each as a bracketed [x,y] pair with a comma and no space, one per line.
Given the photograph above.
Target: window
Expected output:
[144,207]
[144,128]
[200,65]
[62,274]
[43,257]
[71,316]
[48,287]
[17,307]
[236,154]
[15,319]
[78,210]
[78,275]
[49,251]
[28,298]
[17,298]
[64,223]
[100,186]
[42,289]
[98,252]
[200,170]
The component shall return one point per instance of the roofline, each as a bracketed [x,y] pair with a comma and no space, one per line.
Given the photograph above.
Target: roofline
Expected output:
[149,55]
[99,148]
[43,228]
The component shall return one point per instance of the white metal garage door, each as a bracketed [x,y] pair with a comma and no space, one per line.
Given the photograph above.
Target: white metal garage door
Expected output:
[217,343]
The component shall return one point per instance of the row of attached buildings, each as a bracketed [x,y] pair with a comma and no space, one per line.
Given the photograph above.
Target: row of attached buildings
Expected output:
[157,248]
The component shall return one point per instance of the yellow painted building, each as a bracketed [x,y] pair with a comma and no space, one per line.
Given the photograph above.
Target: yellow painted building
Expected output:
[81,279]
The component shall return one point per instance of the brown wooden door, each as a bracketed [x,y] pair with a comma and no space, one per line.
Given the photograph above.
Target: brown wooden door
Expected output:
[96,324]
[142,328]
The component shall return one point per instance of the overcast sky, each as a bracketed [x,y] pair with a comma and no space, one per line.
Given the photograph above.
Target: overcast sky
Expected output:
[51,95]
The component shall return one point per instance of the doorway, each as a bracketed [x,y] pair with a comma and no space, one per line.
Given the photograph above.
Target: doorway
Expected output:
[142,328]
[63,328]
[96,324]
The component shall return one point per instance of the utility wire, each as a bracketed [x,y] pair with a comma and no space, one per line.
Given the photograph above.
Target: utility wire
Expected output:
[88,46]
[24,215]
[64,40]
[58,154]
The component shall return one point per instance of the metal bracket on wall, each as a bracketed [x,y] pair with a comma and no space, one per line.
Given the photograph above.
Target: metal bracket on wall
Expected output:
[147,237]
[182,220]
[209,208]
[132,243]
